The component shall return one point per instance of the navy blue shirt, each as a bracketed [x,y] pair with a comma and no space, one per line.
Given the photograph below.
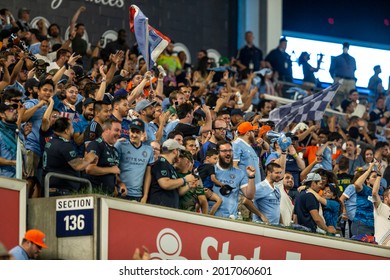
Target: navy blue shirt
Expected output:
[157,195]
[304,203]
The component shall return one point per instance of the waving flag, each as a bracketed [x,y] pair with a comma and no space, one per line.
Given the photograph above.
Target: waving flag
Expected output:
[310,108]
[150,41]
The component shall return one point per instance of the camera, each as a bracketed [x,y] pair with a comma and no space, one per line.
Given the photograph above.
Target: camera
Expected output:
[226,190]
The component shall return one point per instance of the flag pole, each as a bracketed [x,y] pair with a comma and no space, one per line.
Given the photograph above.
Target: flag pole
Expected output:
[19,161]
[147,54]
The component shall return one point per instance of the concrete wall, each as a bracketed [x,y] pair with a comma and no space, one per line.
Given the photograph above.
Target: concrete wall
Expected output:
[41,214]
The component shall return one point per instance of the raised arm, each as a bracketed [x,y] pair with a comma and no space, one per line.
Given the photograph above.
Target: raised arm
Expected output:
[375,189]
[360,181]
[76,16]
[46,116]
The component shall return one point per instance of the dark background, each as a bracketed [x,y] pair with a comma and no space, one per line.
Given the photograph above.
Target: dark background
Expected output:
[197,24]
[360,20]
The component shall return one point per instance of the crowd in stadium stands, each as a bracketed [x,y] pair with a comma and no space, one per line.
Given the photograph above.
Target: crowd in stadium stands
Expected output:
[187,137]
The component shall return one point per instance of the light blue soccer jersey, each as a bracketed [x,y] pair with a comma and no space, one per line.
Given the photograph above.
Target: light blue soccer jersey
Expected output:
[267,200]
[246,156]
[132,163]
[32,141]
[350,204]
[235,178]
[150,133]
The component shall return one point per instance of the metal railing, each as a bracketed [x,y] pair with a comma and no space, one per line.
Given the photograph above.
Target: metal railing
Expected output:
[66,177]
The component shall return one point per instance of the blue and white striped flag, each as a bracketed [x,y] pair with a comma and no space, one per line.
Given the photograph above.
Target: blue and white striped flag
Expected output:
[310,108]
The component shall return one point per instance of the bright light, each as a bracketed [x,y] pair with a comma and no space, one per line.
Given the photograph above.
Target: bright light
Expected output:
[366,59]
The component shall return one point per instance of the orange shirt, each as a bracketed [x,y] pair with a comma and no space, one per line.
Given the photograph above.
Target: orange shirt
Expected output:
[311,153]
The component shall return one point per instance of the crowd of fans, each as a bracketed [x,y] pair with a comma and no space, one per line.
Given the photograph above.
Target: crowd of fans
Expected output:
[184,136]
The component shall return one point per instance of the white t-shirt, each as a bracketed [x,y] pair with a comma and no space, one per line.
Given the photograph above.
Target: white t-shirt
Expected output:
[382,224]
[286,205]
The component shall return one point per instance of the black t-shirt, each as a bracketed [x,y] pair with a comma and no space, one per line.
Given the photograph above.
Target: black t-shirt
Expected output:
[304,203]
[58,152]
[187,129]
[205,170]
[92,132]
[343,181]
[169,198]
[108,157]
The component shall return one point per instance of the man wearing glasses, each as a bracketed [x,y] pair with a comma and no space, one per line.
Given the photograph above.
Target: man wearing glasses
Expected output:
[8,115]
[219,129]
[135,160]
[32,244]
[234,180]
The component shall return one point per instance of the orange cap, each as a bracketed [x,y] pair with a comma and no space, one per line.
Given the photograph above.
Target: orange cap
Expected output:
[264,129]
[245,127]
[36,236]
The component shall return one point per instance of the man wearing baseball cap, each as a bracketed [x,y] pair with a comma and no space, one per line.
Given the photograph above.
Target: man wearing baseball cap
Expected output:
[145,109]
[166,186]
[243,153]
[306,207]
[135,163]
[32,244]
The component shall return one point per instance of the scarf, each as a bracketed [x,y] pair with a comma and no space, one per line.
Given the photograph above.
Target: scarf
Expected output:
[7,131]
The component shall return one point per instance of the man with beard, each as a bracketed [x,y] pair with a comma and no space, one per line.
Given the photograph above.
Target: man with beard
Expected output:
[267,197]
[286,201]
[80,124]
[234,180]
[94,130]
[146,110]
[166,186]
[35,108]
[243,153]
[32,244]
[159,121]
[8,115]
[54,32]
[31,87]
[103,173]
[135,160]
[219,128]
[120,107]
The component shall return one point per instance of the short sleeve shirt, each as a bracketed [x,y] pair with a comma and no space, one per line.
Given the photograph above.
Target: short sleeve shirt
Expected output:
[108,157]
[157,195]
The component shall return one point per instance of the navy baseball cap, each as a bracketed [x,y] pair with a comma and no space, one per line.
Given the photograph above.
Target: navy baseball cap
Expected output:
[137,124]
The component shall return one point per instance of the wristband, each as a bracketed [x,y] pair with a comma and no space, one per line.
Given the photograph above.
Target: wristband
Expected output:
[284,153]
[295,156]
[185,181]
[251,177]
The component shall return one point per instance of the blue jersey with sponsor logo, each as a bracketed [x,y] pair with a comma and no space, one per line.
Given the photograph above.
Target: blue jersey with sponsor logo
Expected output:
[236,179]
[246,156]
[132,163]
[267,200]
